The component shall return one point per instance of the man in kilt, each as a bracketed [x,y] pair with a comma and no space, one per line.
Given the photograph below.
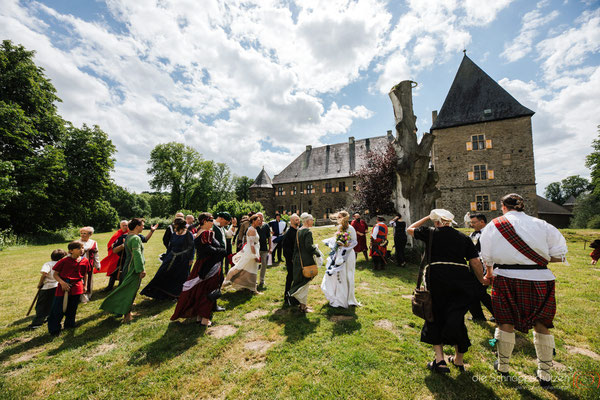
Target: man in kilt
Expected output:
[519,248]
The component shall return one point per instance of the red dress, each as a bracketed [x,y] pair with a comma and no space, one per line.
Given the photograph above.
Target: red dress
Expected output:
[111,261]
[360,226]
[205,278]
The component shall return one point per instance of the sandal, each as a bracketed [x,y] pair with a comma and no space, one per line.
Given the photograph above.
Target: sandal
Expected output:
[440,367]
[461,368]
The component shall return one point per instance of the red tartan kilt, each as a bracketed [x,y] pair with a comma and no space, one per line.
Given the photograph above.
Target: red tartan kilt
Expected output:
[523,303]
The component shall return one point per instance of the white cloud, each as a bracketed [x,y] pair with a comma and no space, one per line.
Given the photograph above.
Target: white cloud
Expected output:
[531,22]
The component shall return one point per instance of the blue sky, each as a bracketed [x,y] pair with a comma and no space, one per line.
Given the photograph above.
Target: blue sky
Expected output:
[251,83]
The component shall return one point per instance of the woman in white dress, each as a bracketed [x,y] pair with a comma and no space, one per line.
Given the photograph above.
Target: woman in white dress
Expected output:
[90,248]
[246,262]
[339,286]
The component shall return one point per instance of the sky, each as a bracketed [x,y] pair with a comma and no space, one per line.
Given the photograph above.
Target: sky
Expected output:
[251,83]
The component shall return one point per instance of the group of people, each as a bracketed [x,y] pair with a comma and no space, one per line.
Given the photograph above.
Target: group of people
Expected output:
[511,254]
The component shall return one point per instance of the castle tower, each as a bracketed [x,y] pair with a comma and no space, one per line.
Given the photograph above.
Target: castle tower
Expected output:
[483,147]
[262,190]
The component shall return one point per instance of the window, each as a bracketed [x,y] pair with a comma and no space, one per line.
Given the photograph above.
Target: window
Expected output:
[354,185]
[478,142]
[342,187]
[280,191]
[480,172]
[482,202]
[294,191]
[309,188]
[328,187]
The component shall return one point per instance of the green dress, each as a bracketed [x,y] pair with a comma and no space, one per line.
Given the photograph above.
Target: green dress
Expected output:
[306,251]
[120,300]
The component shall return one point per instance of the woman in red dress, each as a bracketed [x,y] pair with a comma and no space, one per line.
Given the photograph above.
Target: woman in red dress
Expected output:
[201,290]
[361,227]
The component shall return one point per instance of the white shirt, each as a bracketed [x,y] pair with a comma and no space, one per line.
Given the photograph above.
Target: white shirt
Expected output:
[49,281]
[375,231]
[542,237]
[227,234]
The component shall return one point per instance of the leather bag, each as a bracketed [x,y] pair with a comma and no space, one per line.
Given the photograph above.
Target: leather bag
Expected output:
[422,305]
[308,271]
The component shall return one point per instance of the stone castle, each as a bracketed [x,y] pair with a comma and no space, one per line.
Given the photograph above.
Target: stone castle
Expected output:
[483,149]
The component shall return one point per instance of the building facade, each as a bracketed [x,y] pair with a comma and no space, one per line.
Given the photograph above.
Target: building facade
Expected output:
[483,147]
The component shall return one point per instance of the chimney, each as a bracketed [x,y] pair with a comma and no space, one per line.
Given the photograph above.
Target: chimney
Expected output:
[352,153]
[433,116]
[351,140]
[308,147]
[390,136]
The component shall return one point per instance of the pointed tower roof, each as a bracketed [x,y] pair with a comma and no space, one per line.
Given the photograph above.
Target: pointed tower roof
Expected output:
[475,97]
[262,180]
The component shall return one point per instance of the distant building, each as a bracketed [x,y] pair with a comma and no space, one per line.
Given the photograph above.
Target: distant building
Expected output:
[553,213]
[483,146]
[319,181]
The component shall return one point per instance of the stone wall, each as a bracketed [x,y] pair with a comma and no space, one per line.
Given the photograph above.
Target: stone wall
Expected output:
[508,153]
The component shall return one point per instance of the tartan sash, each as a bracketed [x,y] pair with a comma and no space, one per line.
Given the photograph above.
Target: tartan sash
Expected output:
[508,231]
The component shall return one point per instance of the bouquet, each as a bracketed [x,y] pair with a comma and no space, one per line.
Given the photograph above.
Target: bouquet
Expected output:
[343,238]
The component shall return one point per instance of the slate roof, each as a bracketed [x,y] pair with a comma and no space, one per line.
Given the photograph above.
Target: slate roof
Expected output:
[548,207]
[262,180]
[570,201]
[475,97]
[338,160]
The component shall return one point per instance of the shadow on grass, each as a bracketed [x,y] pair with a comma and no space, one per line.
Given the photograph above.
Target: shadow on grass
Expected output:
[175,340]
[236,298]
[149,307]
[296,324]
[342,324]
[445,387]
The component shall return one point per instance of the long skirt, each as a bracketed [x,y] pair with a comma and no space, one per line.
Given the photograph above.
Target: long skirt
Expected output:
[244,271]
[338,287]
[120,300]
[193,301]
[169,278]
[523,303]
[452,289]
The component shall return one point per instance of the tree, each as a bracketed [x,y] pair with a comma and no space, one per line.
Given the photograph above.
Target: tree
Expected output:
[175,166]
[587,207]
[129,205]
[376,182]
[415,185]
[574,186]
[159,203]
[554,193]
[592,161]
[242,187]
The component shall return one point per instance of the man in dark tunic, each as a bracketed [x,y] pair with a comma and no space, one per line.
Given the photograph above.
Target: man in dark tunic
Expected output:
[264,234]
[478,222]
[288,252]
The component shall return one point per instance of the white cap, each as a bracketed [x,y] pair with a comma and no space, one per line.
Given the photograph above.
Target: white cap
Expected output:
[441,215]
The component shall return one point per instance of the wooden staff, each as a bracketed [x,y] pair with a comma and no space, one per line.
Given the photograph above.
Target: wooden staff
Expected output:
[39,286]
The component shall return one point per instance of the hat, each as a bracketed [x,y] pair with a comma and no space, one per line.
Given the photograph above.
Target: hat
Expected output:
[441,215]
[225,215]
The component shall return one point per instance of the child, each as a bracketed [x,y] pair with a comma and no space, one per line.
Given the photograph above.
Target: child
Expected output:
[47,288]
[596,253]
[71,274]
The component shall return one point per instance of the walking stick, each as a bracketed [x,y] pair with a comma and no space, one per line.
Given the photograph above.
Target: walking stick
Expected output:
[39,286]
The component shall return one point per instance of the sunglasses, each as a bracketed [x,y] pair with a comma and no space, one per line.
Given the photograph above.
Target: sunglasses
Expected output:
[210,220]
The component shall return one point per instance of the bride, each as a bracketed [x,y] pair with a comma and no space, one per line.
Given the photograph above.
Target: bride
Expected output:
[338,282]
[243,273]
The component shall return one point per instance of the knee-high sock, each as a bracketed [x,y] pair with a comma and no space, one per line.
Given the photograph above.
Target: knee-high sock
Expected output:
[505,345]
[544,348]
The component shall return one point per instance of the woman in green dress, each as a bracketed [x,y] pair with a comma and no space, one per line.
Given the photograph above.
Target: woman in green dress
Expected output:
[303,247]
[120,300]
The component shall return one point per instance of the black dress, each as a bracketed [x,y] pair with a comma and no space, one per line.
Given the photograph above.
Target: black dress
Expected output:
[452,287]
[400,240]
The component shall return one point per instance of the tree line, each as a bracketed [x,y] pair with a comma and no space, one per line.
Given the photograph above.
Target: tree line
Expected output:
[54,174]
[586,212]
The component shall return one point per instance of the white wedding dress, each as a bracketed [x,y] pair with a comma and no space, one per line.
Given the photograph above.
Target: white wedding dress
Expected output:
[245,268]
[339,287]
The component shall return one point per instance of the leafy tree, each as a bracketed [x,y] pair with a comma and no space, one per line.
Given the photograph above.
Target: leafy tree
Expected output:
[592,161]
[586,209]
[129,205]
[554,193]
[376,182]
[237,208]
[242,187]
[175,166]
[159,203]
[574,186]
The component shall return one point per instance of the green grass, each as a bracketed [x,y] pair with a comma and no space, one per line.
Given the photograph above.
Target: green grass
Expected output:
[371,352]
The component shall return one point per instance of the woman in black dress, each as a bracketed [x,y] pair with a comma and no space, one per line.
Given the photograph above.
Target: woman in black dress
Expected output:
[400,239]
[176,264]
[452,286]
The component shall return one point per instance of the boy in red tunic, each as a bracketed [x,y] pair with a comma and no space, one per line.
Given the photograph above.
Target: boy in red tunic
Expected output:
[71,275]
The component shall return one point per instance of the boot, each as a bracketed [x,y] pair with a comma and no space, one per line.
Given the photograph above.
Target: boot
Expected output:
[544,349]
[505,345]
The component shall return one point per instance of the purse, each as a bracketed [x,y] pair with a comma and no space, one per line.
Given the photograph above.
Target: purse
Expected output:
[422,305]
[309,271]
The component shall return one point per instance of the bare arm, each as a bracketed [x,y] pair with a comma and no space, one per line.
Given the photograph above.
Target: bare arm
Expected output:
[477,268]
[411,229]
[149,235]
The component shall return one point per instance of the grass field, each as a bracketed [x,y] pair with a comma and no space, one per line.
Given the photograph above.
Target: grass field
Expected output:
[259,350]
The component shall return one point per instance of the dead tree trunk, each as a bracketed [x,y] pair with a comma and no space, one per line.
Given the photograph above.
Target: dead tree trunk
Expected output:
[415,191]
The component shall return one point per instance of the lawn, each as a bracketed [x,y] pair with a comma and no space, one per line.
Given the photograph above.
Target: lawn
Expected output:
[259,350]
